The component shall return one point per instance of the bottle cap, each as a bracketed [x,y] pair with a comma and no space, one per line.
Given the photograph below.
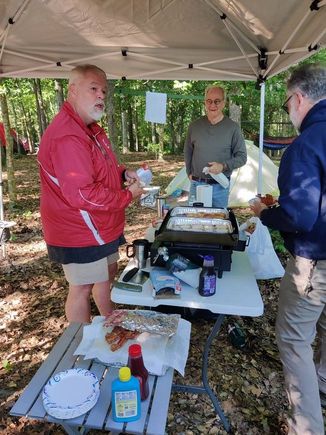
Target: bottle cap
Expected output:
[124,374]
[208,257]
[134,350]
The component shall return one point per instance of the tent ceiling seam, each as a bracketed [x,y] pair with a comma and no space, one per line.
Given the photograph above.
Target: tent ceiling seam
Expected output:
[240,47]
[158,59]
[226,59]
[228,24]
[4,42]
[295,31]
[225,17]
[137,76]
[227,72]
[28,56]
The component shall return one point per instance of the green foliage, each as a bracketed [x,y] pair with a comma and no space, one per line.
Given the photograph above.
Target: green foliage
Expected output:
[153,148]
[6,365]
[278,242]
[185,103]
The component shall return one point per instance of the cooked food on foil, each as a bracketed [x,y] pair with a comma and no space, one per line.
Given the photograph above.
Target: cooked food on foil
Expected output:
[217,226]
[201,212]
[119,336]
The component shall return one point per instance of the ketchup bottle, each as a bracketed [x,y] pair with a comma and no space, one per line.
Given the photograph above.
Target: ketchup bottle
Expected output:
[137,368]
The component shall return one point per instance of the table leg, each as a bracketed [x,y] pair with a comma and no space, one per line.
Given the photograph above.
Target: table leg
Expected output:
[72,430]
[206,388]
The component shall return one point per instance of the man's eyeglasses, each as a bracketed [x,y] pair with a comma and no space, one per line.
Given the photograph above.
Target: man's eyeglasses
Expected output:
[216,102]
[285,104]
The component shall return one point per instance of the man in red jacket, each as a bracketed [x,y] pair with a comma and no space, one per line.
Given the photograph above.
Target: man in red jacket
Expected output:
[83,199]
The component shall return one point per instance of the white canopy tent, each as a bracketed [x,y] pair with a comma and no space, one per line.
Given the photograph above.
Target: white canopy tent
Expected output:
[161,39]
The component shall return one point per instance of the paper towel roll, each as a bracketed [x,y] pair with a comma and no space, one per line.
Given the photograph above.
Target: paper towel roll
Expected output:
[204,194]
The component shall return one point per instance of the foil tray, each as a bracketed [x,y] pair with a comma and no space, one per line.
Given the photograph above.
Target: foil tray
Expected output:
[199,225]
[201,212]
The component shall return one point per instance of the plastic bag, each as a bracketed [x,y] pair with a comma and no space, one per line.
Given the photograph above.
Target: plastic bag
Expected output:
[263,259]
[184,269]
[220,178]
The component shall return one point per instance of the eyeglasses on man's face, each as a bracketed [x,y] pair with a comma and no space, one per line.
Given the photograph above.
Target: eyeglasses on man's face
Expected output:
[209,102]
[285,104]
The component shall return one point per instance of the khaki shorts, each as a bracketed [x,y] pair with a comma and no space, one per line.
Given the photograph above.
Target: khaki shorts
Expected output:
[89,273]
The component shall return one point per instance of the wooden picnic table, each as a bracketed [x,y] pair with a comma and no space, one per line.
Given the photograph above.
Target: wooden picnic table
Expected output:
[153,410]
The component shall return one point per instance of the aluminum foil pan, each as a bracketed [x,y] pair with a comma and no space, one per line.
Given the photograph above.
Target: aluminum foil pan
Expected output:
[201,212]
[199,225]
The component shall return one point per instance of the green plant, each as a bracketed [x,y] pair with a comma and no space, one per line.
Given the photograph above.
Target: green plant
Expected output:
[153,148]
[278,241]
[6,365]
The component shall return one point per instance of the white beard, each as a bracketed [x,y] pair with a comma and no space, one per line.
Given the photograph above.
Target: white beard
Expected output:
[96,114]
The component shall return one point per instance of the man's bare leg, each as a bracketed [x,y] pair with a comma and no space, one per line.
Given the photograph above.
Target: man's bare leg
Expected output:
[102,292]
[78,306]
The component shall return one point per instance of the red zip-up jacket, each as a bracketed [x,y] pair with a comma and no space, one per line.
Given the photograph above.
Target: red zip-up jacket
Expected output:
[82,199]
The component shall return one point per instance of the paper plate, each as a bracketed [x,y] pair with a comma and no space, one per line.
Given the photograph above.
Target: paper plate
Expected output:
[70,393]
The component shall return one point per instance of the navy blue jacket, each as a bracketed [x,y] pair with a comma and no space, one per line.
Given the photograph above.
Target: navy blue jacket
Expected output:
[301,215]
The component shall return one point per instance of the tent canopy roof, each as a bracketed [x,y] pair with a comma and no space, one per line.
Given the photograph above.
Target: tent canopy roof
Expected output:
[159,39]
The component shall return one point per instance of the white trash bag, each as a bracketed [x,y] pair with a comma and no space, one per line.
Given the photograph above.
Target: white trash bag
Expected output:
[263,258]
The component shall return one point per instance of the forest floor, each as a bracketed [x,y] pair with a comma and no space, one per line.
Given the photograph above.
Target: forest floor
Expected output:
[32,296]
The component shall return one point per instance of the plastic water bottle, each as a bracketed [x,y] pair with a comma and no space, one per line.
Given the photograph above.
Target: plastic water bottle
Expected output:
[125,397]
[145,175]
[207,277]
[191,200]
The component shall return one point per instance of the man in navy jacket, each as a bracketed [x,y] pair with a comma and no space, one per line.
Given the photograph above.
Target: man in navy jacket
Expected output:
[301,219]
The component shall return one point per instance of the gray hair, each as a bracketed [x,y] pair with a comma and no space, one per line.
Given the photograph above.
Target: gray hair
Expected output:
[82,70]
[209,87]
[310,79]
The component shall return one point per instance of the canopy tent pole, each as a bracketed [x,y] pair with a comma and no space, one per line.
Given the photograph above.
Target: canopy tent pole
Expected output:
[261,138]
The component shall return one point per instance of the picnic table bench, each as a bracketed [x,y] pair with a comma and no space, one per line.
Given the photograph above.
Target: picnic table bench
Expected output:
[153,410]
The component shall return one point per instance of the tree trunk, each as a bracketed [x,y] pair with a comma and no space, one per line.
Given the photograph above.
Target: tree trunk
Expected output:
[110,111]
[136,131]
[9,150]
[235,113]
[39,105]
[59,92]
[124,132]
[160,131]
[153,133]
[130,128]
[26,122]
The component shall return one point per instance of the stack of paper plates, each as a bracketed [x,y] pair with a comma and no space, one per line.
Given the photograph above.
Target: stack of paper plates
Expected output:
[70,393]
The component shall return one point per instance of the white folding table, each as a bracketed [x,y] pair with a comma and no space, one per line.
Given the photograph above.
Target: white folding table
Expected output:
[237,293]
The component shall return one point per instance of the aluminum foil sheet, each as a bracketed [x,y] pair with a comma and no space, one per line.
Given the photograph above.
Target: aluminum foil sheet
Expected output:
[144,321]
[200,225]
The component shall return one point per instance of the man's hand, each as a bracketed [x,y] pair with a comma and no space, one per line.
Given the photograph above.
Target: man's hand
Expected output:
[135,189]
[131,176]
[257,208]
[190,177]
[215,167]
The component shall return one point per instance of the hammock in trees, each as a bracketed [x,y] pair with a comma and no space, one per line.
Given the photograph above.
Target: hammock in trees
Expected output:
[277,143]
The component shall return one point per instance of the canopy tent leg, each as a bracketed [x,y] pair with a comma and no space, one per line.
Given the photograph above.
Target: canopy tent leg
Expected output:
[261,139]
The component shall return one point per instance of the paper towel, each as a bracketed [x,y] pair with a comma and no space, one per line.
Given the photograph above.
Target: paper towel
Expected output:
[220,178]
[204,194]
